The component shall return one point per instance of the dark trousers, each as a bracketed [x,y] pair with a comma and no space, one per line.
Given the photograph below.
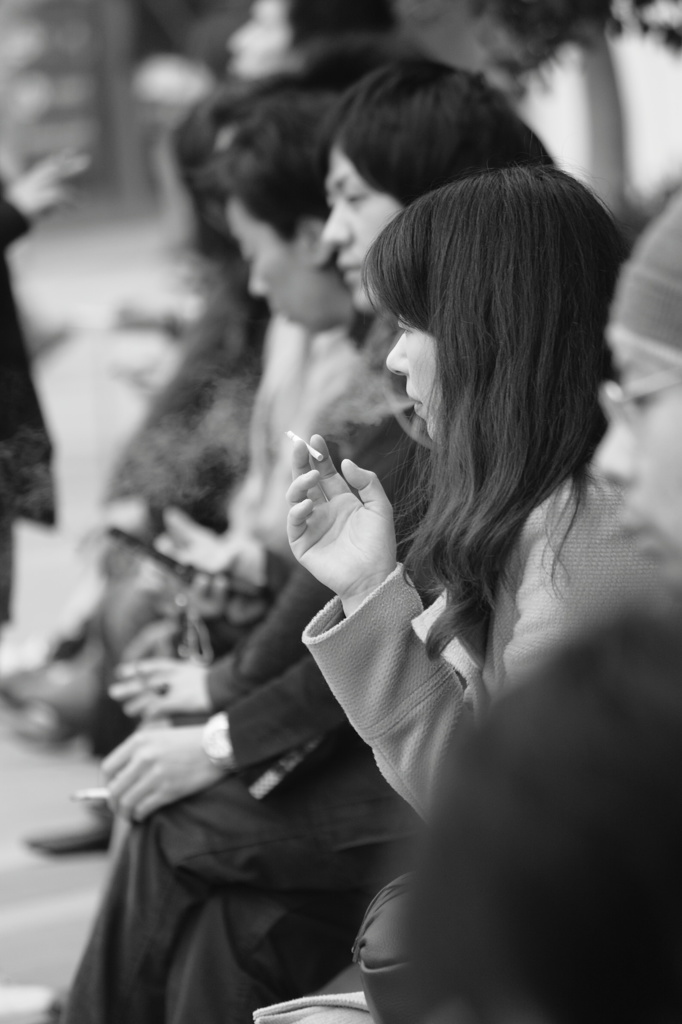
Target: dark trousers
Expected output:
[221,904]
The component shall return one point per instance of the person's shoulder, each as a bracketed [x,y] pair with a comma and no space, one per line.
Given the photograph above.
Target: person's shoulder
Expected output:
[578,530]
[593,505]
[575,564]
[578,534]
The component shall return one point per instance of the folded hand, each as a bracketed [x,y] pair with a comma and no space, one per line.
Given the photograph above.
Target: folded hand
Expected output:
[155,767]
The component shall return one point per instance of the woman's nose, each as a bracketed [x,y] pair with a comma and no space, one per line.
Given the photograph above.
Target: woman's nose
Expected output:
[395,360]
[615,455]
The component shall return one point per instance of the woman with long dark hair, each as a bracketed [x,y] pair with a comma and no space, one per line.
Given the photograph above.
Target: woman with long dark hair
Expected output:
[501,282]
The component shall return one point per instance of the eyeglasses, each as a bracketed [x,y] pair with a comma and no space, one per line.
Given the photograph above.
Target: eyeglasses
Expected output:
[620,403]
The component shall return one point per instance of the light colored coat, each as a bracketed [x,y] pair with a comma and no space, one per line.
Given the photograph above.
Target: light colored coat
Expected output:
[406,706]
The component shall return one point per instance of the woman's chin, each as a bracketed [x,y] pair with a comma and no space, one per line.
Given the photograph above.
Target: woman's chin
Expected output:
[420,414]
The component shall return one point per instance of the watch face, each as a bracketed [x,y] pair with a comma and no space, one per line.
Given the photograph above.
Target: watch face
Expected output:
[216,741]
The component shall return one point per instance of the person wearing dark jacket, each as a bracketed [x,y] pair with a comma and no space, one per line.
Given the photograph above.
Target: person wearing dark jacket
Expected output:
[246,874]
[26,486]
[270,866]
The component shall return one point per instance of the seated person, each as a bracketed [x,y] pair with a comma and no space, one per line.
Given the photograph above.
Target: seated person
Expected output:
[423,98]
[550,891]
[641,450]
[190,451]
[296,868]
[521,546]
[272,692]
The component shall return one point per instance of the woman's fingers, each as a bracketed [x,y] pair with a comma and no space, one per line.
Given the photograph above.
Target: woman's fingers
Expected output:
[300,458]
[303,462]
[306,481]
[331,481]
[321,482]
[305,486]
[367,484]
[298,518]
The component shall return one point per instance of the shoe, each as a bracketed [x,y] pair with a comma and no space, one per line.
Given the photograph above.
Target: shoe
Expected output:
[28,1004]
[55,702]
[91,839]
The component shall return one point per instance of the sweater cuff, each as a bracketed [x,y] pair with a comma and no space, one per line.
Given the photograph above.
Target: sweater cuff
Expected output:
[330,624]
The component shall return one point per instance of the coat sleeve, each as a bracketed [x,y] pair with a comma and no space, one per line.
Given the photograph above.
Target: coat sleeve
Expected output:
[405,706]
[285,713]
[273,646]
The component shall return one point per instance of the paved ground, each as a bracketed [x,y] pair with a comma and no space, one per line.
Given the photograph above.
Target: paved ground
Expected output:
[77,273]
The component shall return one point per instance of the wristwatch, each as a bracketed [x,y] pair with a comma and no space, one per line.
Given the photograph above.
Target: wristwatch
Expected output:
[216,742]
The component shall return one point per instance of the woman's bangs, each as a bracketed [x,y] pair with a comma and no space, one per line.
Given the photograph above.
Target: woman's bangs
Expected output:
[395,274]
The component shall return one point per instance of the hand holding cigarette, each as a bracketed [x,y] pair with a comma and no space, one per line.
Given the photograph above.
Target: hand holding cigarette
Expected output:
[340,525]
[157,687]
[311,451]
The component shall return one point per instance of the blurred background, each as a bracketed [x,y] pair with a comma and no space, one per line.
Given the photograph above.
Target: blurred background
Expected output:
[106,285]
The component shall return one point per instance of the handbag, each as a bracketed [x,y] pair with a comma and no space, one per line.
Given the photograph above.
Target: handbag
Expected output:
[380,950]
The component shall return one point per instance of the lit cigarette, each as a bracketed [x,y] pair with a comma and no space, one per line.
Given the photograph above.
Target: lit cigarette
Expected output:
[313,451]
[94,794]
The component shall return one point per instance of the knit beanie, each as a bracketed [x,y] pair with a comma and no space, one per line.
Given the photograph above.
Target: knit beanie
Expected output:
[648,300]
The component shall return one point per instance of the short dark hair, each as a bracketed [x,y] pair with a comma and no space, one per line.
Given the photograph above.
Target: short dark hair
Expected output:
[272,159]
[553,877]
[511,271]
[414,125]
[310,19]
[271,163]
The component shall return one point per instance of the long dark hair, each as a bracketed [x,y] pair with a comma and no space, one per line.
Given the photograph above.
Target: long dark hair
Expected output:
[511,271]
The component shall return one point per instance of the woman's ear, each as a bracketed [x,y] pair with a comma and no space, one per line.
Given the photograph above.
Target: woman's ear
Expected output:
[310,244]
